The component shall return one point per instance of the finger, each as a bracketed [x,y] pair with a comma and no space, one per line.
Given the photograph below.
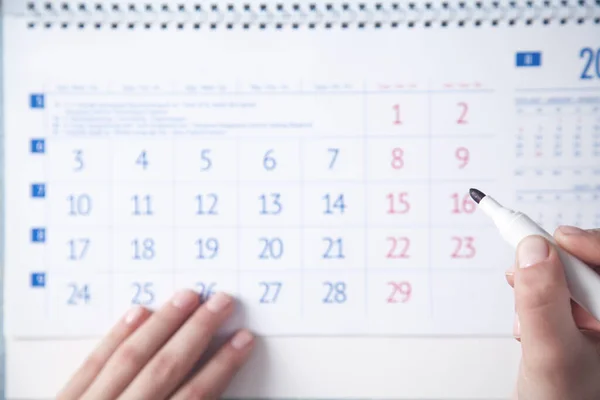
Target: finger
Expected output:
[543,305]
[583,319]
[166,371]
[94,363]
[583,244]
[212,380]
[510,276]
[137,349]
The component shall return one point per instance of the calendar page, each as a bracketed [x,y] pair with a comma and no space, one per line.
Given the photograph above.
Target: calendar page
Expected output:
[319,174]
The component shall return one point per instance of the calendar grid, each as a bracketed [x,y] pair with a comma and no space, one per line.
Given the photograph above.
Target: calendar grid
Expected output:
[380,205]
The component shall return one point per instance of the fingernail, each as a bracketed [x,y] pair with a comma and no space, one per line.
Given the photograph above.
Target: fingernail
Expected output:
[570,230]
[510,271]
[241,340]
[184,299]
[218,302]
[134,315]
[516,327]
[532,250]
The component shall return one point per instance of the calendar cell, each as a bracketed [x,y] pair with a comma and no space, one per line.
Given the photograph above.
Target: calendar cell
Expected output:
[397,297]
[333,204]
[79,302]
[275,160]
[200,249]
[397,114]
[403,204]
[451,205]
[466,158]
[269,205]
[476,292]
[334,248]
[143,249]
[82,204]
[463,113]
[269,249]
[81,249]
[398,248]
[150,290]
[206,160]
[207,282]
[143,160]
[398,159]
[79,160]
[139,204]
[465,248]
[336,160]
[271,299]
[206,205]
[334,300]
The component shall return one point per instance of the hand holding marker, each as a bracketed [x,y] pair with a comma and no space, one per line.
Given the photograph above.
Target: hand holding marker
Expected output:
[514,226]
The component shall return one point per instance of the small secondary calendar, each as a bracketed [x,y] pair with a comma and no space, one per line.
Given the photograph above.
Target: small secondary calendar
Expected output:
[320,175]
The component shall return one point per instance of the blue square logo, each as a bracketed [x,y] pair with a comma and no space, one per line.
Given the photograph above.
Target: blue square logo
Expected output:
[38,235]
[38,190]
[38,146]
[529,59]
[38,279]
[37,100]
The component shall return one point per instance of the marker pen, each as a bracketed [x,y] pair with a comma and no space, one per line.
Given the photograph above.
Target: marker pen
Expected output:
[514,226]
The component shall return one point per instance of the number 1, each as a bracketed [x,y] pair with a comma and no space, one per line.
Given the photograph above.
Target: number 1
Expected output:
[397,120]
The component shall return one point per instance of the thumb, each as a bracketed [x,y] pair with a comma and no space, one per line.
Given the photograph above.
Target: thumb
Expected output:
[548,333]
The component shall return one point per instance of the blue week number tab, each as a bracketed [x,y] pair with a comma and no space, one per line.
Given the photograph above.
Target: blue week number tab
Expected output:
[529,59]
[38,190]
[38,279]
[36,100]
[38,235]
[38,146]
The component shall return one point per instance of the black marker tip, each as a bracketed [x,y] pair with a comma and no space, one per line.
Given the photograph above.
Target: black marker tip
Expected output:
[476,195]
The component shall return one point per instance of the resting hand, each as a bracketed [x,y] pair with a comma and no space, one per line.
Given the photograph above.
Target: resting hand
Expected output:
[153,355]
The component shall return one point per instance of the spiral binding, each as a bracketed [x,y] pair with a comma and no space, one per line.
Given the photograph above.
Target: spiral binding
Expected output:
[218,15]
